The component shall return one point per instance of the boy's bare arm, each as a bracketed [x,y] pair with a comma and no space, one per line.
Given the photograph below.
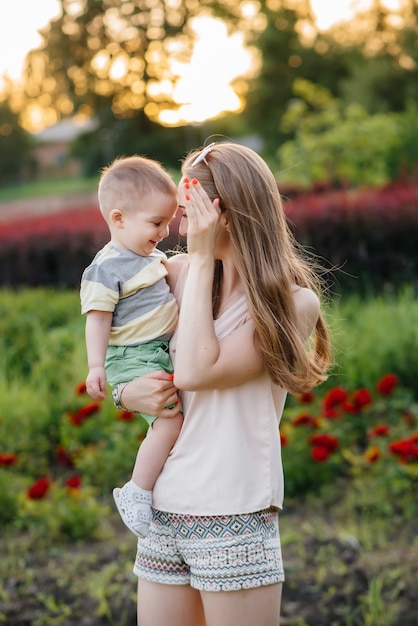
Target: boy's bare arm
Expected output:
[98,325]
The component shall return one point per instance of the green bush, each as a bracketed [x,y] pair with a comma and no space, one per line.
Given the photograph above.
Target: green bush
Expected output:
[61,454]
[342,144]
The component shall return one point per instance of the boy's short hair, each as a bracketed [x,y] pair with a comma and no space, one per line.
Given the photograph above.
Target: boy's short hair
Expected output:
[127,180]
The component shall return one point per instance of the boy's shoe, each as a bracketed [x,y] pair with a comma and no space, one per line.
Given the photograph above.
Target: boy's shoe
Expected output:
[134,506]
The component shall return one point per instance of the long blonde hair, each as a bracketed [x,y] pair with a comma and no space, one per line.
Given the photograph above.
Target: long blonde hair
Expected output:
[268,260]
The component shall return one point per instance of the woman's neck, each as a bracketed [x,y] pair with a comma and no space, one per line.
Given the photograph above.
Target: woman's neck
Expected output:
[232,288]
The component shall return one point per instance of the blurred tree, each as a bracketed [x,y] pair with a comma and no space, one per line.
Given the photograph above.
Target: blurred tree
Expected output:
[112,59]
[385,77]
[342,144]
[290,47]
[16,148]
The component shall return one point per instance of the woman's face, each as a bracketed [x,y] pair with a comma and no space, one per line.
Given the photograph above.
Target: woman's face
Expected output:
[182,207]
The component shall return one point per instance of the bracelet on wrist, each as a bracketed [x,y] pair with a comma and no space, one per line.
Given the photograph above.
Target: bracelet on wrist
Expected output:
[117,397]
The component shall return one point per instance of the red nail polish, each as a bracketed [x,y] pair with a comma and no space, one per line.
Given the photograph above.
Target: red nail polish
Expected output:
[186,185]
[194,181]
[186,180]
[187,197]
[171,376]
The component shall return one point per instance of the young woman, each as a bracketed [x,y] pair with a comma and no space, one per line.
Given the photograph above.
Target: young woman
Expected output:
[250,330]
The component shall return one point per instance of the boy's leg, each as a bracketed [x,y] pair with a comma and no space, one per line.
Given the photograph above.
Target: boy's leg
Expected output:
[154,450]
[134,499]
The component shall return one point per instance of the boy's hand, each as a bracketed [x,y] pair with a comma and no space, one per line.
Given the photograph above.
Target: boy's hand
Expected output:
[96,383]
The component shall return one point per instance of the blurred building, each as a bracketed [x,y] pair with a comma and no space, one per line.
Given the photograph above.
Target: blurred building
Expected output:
[52,150]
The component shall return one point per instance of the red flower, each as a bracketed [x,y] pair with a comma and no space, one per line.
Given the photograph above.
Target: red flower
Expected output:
[387,384]
[307,397]
[335,397]
[320,453]
[83,413]
[63,457]
[89,409]
[7,458]
[324,440]
[381,430]
[283,440]
[125,416]
[406,449]
[362,397]
[351,407]
[330,413]
[74,482]
[372,454]
[39,489]
[302,418]
[80,389]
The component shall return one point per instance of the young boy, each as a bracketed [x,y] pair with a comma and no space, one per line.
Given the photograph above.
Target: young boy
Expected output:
[131,313]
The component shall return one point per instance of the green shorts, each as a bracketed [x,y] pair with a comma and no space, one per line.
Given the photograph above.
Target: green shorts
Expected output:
[124,363]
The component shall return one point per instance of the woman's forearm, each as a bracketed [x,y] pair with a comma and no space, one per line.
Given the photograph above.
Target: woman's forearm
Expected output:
[197,347]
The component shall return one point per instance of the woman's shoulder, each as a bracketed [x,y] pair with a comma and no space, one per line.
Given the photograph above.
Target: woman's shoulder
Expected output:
[307,306]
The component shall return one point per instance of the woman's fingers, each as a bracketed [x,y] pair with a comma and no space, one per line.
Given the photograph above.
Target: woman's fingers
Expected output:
[150,393]
[202,213]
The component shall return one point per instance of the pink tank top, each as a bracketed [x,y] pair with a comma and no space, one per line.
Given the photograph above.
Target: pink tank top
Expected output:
[227,459]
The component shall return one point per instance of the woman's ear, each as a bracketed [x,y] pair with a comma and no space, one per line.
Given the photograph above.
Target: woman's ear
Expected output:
[224,220]
[116,218]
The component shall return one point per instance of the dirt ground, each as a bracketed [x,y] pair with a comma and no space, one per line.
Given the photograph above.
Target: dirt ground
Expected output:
[331,579]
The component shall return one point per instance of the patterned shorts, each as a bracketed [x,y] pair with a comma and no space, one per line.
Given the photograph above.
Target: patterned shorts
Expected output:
[212,553]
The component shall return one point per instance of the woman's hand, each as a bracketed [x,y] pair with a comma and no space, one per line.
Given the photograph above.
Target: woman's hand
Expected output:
[151,394]
[202,219]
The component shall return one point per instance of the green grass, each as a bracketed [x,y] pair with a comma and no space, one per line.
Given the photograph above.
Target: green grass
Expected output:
[45,188]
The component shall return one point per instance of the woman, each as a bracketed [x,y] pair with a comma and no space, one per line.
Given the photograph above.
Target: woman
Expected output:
[250,330]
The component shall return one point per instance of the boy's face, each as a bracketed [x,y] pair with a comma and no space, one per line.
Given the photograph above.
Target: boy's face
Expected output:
[142,229]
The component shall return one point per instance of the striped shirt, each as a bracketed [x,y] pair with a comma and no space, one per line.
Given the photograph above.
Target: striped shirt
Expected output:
[135,290]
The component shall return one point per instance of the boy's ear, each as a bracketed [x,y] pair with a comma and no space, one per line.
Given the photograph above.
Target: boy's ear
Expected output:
[116,218]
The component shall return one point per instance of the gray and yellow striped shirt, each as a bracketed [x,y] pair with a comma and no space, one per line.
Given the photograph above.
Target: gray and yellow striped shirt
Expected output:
[135,290]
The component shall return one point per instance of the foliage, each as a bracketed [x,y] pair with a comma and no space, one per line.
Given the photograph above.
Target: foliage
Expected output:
[115,61]
[16,162]
[52,249]
[131,135]
[287,57]
[365,434]
[61,453]
[375,335]
[367,237]
[342,144]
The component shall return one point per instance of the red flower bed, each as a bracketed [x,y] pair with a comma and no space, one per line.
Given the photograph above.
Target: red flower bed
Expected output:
[52,249]
[371,235]
[346,432]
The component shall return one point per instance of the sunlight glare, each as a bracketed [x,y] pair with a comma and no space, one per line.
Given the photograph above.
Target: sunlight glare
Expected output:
[20,21]
[329,13]
[204,89]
